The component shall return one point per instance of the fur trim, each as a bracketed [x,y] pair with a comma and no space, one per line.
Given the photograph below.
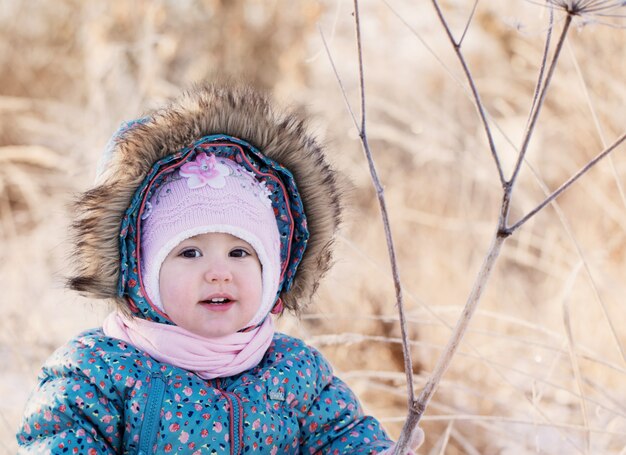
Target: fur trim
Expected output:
[205,110]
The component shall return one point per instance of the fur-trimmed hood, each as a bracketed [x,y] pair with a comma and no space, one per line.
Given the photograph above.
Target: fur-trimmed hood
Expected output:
[206,110]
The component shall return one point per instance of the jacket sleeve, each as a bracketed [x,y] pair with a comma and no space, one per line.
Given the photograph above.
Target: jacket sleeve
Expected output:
[335,423]
[69,412]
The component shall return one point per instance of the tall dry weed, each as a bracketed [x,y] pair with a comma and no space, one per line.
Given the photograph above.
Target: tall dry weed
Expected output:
[539,369]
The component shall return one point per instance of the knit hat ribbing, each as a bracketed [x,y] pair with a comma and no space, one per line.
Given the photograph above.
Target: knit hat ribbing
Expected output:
[207,195]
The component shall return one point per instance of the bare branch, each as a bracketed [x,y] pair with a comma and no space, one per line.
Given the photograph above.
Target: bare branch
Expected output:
[418,406]
[454,77]
[542,68]
[339,81]
[477,100]
[462,323]
[408,364]
[535,114]
[469,21]
[568,183]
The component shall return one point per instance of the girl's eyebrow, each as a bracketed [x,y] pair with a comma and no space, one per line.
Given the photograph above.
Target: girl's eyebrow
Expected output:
[186,244]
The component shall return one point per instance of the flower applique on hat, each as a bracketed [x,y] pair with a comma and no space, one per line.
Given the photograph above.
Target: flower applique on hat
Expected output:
[207,170]
[204,170]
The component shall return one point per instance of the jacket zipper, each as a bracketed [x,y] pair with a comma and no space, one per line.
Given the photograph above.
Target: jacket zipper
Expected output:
[150,425]
[236,419]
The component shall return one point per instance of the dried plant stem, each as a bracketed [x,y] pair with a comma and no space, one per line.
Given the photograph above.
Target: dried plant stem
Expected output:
[556,193]
[542,67]
[542,96]
[470,79]
[339,81]
[469,21]
[417,408]
[408,365]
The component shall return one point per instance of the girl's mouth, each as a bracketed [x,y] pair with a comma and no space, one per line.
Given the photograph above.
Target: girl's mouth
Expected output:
[218,304]
[218,301]
[221,303]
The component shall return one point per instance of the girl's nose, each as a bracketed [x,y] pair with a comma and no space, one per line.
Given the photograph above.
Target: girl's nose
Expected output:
[218,274]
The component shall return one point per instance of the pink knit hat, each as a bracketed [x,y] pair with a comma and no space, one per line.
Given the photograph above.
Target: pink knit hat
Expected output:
[206,195]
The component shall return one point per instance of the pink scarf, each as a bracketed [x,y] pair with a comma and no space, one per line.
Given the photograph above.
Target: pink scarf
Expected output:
[207,357]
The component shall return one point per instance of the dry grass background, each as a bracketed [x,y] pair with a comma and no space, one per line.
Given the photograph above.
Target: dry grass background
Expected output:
[540,370]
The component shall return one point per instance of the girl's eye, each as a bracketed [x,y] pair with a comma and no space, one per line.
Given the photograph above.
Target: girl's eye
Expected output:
[239,253]
[190,253]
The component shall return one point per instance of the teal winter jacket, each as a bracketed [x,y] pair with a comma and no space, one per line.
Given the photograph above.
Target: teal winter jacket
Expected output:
[100,395]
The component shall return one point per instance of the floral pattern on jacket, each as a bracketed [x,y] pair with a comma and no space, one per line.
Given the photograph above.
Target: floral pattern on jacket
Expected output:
[99,395]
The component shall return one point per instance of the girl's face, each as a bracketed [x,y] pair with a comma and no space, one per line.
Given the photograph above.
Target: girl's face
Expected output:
[211,284]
